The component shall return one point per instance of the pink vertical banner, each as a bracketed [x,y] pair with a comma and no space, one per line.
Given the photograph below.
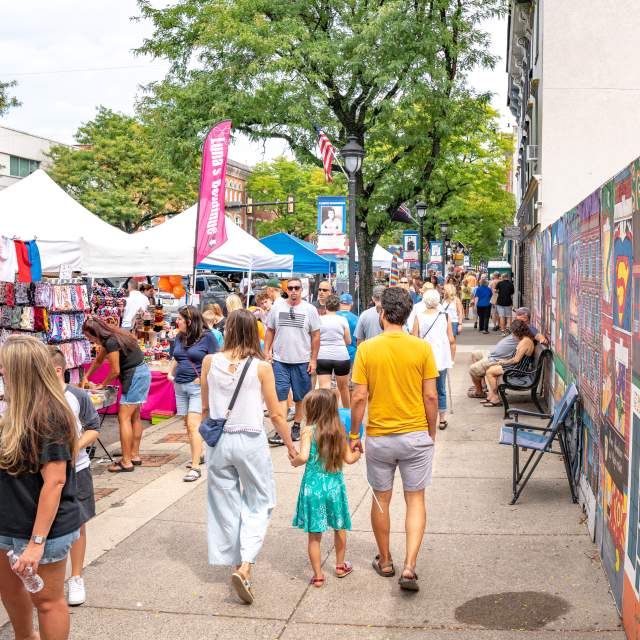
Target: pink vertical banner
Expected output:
[211,231]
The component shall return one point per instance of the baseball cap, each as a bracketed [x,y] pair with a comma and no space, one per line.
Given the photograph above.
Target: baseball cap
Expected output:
[273,282]
[346,298]
[523,311]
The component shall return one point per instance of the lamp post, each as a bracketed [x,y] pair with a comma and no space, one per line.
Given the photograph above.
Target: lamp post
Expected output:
[443,230]
[421,210]
[352,154]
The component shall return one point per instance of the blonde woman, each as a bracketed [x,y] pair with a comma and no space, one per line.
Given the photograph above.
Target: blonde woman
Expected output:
[233,303]
[39,512]
[453,308]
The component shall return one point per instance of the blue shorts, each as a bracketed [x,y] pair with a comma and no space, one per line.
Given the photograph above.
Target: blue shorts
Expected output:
[188,398]
[55,549]
[292,377]
[140,385]
[454,328]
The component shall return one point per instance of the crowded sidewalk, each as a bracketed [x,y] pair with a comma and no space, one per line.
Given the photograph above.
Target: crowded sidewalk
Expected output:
[487,569]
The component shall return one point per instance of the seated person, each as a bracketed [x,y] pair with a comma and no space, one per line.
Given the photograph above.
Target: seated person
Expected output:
[523,313]
[482,360]
[522,360]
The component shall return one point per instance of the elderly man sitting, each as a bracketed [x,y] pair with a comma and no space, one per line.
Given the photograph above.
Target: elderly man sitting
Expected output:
[504,350]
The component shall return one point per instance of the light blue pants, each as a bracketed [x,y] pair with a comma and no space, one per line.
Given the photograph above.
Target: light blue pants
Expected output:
[241,494]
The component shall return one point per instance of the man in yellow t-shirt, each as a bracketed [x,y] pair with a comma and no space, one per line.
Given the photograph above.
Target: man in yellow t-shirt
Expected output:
[396,374]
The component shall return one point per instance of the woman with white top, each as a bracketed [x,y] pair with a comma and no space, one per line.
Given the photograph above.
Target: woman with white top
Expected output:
[434,326]
[241,489]
[333,357]
[453,308]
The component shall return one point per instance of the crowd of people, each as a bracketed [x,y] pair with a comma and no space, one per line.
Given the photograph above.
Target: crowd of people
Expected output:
[294,361]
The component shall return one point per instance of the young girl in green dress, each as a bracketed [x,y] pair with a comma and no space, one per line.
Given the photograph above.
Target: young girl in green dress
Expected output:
[322,501]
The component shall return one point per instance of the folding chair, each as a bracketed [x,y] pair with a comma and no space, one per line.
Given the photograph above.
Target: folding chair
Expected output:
[539,440]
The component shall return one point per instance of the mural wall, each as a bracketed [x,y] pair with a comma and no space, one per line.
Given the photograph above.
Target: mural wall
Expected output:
[586,270]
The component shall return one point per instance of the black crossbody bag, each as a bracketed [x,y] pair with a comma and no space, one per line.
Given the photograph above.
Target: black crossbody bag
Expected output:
[211,428]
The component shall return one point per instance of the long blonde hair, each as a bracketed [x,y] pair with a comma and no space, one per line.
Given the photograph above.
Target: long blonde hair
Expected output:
[450,292]
[233,302]
[37,411]
[321,410]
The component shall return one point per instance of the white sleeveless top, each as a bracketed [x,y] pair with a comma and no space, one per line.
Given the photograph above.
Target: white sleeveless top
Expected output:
[451,309]
[247,414]
[433,329]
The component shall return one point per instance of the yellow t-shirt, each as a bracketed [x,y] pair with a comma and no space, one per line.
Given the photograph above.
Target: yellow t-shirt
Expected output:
[393,366]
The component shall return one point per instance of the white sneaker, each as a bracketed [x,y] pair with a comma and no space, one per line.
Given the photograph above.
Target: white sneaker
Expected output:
[76,592]
[291,414]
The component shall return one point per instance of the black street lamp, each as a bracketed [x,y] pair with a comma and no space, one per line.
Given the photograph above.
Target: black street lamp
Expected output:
[352,154]
[421,210]
[444,226]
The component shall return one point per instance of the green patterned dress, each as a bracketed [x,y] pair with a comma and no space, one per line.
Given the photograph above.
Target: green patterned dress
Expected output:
[322,500]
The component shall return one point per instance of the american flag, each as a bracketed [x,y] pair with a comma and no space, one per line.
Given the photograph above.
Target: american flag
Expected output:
[326,151]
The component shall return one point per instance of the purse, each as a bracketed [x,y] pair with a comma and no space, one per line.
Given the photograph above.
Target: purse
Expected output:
[211,428]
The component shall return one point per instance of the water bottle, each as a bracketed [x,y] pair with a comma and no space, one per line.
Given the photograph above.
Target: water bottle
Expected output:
[32,583]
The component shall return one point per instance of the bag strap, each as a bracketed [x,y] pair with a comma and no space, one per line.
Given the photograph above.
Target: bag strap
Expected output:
[234,397]
[440,313]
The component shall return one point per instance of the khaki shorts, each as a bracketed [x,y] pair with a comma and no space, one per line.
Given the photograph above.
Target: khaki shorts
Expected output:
[411,452]
[481,363]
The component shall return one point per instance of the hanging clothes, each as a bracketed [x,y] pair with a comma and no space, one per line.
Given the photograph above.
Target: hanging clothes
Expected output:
[8,260]
[24,266]
[34,259]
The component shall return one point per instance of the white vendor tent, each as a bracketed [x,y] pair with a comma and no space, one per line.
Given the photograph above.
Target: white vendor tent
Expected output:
[36,208]
[168,249]
[381,257]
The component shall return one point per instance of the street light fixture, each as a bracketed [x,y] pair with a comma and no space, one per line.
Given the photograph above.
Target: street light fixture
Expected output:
[443,228]
[421,210]
[352,153]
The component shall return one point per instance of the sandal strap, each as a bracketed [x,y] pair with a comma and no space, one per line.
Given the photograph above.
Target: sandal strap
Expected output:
[344,567]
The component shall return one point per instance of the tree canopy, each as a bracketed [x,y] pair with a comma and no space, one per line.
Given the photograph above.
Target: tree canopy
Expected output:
[120,174]
[391,72]
[276,181]
[7,101]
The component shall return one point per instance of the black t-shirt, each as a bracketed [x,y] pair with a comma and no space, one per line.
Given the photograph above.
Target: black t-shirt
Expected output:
[129,360]
[19,496]
[505,292]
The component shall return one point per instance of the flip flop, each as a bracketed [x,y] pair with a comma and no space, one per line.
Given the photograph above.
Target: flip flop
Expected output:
[409,584]
[488,403]
[136,463]
[344,569]
[475,394]
[375,563]
[243,587]
[118,467]
[443,425]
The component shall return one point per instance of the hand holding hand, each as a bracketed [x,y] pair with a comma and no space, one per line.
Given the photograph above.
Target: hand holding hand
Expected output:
[311,369]
[356,445]
[292,453]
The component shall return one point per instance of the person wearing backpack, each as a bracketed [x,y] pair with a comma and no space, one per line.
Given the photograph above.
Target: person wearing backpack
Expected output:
[434,326]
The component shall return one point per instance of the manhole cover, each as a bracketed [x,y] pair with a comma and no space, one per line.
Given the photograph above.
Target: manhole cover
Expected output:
[174,437]
[512,610]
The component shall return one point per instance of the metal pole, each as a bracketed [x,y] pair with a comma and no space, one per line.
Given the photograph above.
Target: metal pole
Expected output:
[421,245]
[352,234]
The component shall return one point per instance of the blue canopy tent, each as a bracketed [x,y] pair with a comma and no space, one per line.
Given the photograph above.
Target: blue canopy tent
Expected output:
[305,257]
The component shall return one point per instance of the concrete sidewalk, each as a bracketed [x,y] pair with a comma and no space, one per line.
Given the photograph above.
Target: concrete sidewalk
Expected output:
[487,569]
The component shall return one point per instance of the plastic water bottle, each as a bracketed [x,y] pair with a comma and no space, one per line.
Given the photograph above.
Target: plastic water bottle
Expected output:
[32,582]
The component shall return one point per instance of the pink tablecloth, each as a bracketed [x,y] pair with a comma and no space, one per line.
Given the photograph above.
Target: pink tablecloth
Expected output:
[161,395]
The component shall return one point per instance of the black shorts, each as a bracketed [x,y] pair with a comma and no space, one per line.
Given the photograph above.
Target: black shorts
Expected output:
[339,367]
[86,498]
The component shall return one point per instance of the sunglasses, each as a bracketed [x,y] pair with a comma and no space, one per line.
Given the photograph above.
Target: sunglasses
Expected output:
[404,282]
[325,290]
[294,288]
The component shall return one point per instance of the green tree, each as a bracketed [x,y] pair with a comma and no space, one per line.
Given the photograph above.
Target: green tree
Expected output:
[7,101]
[118,173]
[391,73]
[276,181]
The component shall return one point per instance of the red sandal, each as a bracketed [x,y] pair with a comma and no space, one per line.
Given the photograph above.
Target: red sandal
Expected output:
[344,569]
[317,582]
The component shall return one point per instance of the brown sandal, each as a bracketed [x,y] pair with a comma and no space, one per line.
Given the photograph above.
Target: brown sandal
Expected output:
[118,467]
[475,394]
[379,568]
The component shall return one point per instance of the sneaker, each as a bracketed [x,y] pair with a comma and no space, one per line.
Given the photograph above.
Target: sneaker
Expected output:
[76,592]
[291,414]
[275,440]
[188,465]
[295,432]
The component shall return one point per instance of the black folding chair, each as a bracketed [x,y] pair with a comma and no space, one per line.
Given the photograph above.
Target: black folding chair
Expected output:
[539,440]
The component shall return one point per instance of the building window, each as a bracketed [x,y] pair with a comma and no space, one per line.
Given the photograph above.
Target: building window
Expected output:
[238,221]
[21,167]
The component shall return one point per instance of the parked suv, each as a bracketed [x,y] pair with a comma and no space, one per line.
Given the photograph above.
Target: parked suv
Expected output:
[212,289]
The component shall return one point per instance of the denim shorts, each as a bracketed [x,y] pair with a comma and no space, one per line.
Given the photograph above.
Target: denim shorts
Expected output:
[188,398]
[55,549]
[140,385]
[292,377]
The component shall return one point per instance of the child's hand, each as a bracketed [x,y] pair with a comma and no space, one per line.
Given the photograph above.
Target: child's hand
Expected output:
[293,453]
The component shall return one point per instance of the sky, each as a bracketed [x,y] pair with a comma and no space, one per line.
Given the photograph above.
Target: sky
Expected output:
[69,56]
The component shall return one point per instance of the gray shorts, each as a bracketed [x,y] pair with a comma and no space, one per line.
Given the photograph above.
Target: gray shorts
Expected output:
[504,312]
[411,452]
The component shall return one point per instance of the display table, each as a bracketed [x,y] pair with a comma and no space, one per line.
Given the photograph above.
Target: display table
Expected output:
[161,394]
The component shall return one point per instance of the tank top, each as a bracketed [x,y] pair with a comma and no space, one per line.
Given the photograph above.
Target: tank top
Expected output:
[433,329]
[247,414]
[451,309]
[332,332]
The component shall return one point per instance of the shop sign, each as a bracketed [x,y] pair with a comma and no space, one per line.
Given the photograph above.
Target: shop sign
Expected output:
[512,233]
[66,272]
